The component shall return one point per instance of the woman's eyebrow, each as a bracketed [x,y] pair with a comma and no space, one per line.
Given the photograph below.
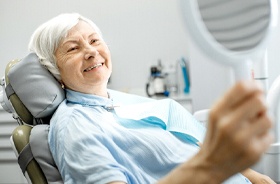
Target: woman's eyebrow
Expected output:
[76,40]
[71,40]
[93,34]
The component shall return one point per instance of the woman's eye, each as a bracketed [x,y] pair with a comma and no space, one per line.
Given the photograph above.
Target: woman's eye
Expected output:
[72,49]
[94,41]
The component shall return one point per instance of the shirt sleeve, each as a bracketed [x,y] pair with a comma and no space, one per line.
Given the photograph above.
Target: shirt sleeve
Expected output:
[83,152]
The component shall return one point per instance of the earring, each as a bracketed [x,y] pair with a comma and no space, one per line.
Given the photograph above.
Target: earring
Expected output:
[62,85]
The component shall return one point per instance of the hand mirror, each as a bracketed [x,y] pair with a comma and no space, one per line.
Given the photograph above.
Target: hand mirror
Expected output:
[236,33]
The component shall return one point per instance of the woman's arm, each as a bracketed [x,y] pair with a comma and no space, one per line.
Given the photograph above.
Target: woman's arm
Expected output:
[257,178]
[194,171]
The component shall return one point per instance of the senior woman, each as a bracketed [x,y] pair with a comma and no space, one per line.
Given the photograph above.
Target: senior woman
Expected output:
[91,143]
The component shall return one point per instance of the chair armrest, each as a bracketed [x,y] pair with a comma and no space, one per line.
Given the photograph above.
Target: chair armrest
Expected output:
[202,116]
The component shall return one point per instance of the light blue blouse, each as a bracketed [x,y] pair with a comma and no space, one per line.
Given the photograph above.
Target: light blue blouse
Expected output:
[94,140]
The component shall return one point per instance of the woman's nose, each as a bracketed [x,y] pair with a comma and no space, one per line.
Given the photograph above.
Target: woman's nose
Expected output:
[90,52]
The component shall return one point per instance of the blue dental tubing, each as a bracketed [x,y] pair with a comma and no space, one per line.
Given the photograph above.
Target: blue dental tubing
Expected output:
[184,67]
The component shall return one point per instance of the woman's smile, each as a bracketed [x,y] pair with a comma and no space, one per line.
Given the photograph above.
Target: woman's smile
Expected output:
[91,68]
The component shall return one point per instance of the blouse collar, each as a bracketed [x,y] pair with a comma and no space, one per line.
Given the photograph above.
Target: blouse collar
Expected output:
[88,99]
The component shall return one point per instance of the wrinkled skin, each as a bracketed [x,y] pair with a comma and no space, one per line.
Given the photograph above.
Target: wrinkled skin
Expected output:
[82,49]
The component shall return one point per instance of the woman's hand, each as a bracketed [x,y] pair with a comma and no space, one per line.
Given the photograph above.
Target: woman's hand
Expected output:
[257,178]
[238,129]
[237,136]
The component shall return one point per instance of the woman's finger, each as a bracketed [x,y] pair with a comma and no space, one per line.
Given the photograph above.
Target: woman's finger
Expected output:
[240,92]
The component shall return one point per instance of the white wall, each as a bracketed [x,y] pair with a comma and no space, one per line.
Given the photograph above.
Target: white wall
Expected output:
[138,32]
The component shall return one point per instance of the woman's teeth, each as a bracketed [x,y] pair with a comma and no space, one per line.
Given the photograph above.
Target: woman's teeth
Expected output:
[95,66]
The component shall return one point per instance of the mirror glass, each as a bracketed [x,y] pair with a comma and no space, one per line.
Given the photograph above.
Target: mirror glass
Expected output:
[237,25]
[233,32]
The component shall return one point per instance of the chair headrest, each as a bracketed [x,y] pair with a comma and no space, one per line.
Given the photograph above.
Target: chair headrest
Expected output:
[32,89]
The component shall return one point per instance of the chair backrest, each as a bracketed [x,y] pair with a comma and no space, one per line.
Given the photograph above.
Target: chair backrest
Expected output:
[32,90]
[34,95]
[34,158]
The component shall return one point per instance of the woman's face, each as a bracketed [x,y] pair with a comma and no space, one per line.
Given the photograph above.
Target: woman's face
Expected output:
[84,60]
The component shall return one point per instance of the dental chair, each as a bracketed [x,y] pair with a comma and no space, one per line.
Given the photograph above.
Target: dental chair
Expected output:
[32,95]
[25,96]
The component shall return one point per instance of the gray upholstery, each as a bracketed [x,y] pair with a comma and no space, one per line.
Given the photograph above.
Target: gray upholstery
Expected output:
[35,86]
[35,94]
[40,149]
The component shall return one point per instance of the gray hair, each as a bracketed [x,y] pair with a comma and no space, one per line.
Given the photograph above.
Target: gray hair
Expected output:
[46,38]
